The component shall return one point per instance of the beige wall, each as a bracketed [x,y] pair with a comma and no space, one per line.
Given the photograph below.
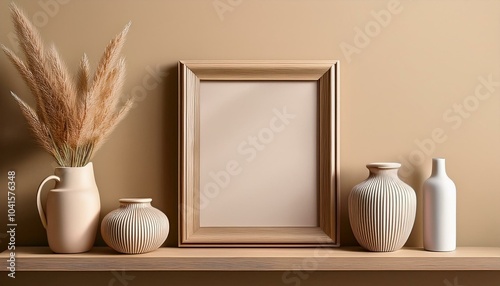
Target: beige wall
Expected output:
[396,86]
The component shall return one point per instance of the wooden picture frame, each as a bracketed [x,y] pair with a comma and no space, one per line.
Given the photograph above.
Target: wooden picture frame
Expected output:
[324,74]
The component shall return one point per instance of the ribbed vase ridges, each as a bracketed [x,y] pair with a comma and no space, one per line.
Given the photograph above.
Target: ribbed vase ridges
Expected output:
[135,228]
[382,212]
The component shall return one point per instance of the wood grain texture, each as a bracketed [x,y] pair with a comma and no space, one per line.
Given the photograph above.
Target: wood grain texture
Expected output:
[189,85]
[258,69]
[191,73]
[328,154]
[260,236]
[257,259]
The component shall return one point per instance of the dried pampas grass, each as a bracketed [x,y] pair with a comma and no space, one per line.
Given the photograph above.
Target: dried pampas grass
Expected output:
[71,121]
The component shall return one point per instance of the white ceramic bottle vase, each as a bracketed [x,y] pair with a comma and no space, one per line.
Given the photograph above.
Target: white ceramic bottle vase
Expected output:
[440,204]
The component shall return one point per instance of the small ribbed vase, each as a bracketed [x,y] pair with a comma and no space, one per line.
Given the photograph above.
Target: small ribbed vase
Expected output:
[382,209]
[135,227]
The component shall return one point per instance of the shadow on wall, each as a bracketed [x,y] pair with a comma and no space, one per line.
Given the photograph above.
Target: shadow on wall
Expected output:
[17,147]
[415,180]
[348,180]
[14,131]
[158,98]
[15,135]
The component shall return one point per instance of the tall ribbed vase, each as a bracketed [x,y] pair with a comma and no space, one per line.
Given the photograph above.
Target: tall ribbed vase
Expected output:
[135,227]
[382,209]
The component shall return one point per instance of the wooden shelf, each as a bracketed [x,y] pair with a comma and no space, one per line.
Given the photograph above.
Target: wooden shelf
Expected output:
[256,259]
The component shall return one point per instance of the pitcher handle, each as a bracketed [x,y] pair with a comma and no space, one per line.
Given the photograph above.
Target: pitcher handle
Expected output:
[43,218]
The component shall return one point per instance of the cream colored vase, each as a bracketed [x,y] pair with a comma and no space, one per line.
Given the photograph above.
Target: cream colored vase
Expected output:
[71,215]
[135,227]
[382,209]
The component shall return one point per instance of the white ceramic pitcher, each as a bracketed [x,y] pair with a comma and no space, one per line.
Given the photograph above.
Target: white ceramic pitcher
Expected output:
[71,215]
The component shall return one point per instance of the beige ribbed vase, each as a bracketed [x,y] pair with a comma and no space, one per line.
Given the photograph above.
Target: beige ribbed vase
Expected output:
[382,209]
[135,227]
